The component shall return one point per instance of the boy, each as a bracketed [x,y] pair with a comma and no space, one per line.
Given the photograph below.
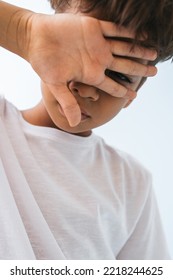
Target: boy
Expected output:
[71,195]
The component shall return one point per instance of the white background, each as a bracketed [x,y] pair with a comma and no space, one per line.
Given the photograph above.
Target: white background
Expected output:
[145,129]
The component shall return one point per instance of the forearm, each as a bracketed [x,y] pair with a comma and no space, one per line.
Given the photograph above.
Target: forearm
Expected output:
[14,28]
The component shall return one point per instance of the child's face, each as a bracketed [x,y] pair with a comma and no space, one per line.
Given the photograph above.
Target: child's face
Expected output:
[97,107]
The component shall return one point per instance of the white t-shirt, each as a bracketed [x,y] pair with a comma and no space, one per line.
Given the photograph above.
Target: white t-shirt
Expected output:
[69,197]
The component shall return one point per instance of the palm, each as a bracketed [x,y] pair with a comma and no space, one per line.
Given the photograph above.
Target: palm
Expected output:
[67,47]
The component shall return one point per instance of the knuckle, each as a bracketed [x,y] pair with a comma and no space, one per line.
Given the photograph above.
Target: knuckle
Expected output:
[142,52]
[147,71]
[119,90]
[132,68]
[69,107]
[132,50]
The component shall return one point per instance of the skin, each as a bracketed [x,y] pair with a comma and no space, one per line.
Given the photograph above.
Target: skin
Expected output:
[62,47]
[96,105]
[83,61]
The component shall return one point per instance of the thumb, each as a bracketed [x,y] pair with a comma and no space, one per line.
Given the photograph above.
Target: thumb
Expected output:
[68,103]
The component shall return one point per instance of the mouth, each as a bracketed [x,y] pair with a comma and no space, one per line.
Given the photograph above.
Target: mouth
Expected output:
[84,115]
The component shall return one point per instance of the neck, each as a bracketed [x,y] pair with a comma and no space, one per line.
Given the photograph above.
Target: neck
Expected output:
[38,115]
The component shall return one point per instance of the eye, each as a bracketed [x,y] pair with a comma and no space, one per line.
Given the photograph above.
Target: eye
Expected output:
[116,76]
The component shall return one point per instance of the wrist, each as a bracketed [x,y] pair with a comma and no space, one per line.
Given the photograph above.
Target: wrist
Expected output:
[22,22]
[14,28]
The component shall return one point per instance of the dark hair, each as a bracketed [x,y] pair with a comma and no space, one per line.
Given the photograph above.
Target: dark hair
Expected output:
[151,17]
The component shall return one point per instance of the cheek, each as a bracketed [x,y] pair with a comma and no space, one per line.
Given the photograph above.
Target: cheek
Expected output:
[111,106]
[117,106]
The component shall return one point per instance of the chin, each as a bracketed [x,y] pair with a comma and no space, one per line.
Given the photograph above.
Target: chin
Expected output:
[83,134]
[79,130]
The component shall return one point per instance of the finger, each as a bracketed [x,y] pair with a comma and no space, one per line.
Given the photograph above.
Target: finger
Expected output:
[127,49]
[133,68]
[68,104]
[110,29]
[115,89]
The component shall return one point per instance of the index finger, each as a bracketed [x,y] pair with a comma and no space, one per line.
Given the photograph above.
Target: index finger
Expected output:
[116,89]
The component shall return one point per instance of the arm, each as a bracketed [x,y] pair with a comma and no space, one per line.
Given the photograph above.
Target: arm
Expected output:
[13,23]
[64,47]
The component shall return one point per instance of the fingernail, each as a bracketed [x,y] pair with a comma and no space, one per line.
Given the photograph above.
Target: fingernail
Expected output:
[153,55]
[152,71]
[74,122]
[73,117]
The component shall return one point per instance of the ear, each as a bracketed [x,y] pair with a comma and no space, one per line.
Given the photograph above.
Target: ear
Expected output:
[128,103]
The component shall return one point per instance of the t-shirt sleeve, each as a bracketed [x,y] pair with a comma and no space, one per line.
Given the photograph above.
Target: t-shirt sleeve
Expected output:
[147,240]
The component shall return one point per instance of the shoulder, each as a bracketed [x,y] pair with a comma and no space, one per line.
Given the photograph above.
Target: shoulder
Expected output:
[130,183]
[129,176]
[6,106]
[132,166]
[124,162]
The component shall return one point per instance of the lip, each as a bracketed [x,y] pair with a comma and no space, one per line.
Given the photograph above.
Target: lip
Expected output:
[84,115]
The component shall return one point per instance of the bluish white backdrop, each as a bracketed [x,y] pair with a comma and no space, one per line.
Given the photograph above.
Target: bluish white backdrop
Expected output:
[145,129]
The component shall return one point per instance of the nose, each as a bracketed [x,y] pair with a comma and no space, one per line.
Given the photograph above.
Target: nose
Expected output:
[84,91]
